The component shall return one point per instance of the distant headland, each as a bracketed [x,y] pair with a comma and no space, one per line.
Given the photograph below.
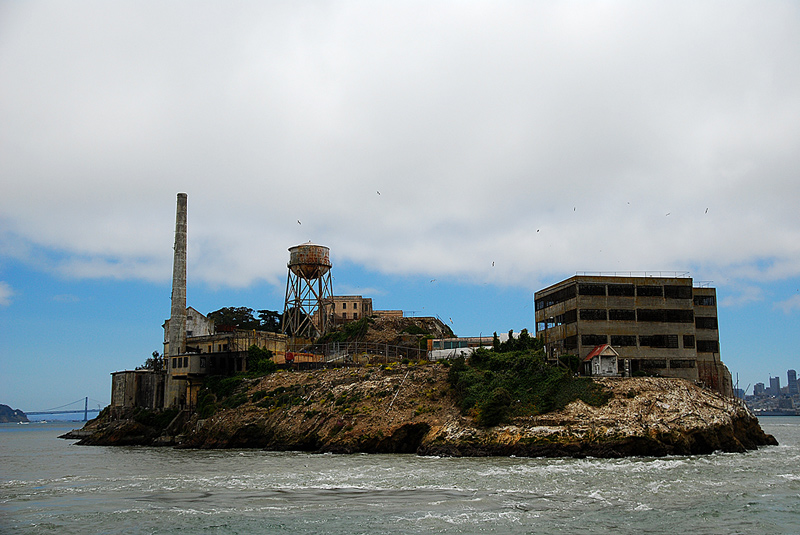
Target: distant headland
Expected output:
[9,415]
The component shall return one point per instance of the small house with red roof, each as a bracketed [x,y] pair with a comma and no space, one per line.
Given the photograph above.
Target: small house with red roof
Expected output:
[602,361]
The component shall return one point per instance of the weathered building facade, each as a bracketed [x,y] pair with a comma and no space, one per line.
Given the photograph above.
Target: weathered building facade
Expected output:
[212,353]
[344,308]
[137,389]
[661,325]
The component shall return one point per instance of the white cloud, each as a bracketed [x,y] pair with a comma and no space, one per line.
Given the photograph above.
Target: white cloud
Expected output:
[789,305]
[545,138]
[742,296]
[5,294]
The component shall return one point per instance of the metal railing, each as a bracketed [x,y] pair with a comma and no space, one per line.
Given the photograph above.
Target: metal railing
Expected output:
[346,352]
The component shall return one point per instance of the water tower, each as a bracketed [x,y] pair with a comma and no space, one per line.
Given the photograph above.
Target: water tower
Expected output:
[308,291]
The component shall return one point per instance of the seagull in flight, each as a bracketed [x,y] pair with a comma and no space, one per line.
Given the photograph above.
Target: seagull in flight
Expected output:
[298,222]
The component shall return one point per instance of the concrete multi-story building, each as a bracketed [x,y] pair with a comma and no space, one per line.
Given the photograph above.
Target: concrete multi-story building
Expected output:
[657,324]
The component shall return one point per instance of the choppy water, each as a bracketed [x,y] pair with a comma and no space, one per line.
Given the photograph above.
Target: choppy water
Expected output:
[49,485]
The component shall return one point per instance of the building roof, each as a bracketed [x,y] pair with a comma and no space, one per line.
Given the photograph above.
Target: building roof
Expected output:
[603,350]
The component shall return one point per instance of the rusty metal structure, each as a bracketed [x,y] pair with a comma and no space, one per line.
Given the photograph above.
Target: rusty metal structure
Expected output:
[309,292]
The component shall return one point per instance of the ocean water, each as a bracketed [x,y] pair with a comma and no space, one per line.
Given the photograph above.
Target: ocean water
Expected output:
[49,485]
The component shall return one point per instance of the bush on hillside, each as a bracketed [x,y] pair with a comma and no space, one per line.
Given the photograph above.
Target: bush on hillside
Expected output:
[499,386]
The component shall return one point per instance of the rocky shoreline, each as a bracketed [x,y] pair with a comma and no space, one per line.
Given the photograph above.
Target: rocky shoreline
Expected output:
[410,409]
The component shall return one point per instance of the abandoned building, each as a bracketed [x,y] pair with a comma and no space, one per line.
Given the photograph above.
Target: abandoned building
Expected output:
[344,308]
[212,351]
[661,325]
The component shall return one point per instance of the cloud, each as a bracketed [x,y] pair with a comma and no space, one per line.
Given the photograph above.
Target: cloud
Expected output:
[545,138]
[743,295]
[5,294]
[789,305]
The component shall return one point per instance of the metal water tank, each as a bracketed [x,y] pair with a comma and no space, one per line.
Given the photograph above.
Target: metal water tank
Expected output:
[309,261]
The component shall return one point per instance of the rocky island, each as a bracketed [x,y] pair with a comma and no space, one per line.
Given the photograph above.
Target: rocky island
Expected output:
[415,409]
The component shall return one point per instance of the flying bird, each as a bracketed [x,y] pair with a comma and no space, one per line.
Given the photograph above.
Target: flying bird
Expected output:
[298,222]
[492,264]
[433,280]
[706,210]
[379,193]
[668,213]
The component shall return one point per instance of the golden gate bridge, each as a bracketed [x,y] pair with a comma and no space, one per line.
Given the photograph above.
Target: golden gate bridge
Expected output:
[65,409]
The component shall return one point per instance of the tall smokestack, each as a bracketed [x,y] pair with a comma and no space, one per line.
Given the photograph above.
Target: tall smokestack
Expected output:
[177,318]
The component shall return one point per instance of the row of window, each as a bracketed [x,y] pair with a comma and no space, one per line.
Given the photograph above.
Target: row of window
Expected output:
[355,315]
[661,341]
[641,315]
[667,291]
[663,363]
[224,362]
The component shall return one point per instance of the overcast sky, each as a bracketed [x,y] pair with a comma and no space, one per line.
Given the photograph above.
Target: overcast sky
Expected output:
[499,145]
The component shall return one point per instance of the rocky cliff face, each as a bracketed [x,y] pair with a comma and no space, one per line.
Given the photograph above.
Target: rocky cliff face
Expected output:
[409,409]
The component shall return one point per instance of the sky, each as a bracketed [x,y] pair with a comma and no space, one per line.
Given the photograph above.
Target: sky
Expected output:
[455,156]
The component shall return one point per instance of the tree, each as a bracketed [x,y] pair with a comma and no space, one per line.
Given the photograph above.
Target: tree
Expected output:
[259,361]
[242,318]
[524,342]
[270,320]
[155,363]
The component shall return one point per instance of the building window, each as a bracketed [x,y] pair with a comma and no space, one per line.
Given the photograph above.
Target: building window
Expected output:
[557,297]
[704,300]
[705,323]
[677,292]
[688,341]
[650,291]
[344,315]
[355,315]
[175,363]
[616,314]
[595,314]
[668,341]
[185,362]
[707,346]
[653,363]
[593,339]
[623,340]
[665,316]
[592,289]
[621,290]
[202,362]
[681,363]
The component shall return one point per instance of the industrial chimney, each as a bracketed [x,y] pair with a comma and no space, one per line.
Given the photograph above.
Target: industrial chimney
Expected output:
[177,317]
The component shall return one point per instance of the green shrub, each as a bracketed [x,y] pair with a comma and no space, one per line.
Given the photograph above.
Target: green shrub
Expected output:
[259,361]
[515,383]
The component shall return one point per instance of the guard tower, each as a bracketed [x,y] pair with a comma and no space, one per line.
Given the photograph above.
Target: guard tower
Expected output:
[308,291]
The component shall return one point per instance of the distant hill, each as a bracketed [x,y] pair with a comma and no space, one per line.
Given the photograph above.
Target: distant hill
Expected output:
[9,415]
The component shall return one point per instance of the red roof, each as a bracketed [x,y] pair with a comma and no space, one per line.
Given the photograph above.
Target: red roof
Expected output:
[596,351]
